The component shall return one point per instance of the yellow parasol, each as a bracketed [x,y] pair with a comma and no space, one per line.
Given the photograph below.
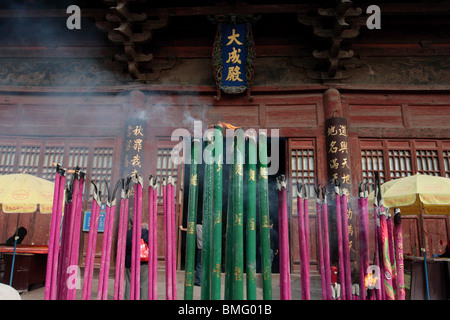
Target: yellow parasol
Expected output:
[22,193]
[413,193]
[416,195]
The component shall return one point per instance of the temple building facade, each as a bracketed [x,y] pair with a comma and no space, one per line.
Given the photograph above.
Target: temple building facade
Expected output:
[348,91]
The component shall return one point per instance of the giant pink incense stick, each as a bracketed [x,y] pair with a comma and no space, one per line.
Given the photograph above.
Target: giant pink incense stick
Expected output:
[137,219]
[367,236]
[134,245]
[381,293]
[98,204]
[152,236]
[320,242]
[76,235]
[173,238]
[169,239]
[168,243]
[102,293]
[124,232]
[387,275]
[398,240]
[301,238]
[121,239]
[108,250]
[362,241]
[346,245]
[63,252]
[326,243]
[104,244]
[91,245]
[340,243]
[378,291]
[387,268]
[151,225]
[122,267]
[307,277]
[51,241]
[56,238]
[285,283]
[390,228]
[73,232]
[155,241]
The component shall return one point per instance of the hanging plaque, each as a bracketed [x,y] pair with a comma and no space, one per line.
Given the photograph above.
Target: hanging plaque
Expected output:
[233,58]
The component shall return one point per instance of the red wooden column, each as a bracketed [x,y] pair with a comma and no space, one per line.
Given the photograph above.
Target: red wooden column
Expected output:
[338,168]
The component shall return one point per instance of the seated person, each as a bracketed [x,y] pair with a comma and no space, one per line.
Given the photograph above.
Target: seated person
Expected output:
[21,233]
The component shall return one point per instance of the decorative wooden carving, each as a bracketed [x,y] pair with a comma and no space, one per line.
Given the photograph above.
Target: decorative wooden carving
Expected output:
[132,30]
[335,25]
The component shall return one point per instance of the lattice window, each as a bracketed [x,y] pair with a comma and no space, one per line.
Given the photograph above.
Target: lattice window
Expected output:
[400,163]
[7,158]
[165,168]
[78,156]
[372,161]
[102,164]
[405,158]
[446,156]
[302,170]
[53,155]
[428,162]
[29,159]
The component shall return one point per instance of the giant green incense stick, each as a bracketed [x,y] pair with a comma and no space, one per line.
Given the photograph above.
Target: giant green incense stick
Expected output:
[229,237]
[237,292]
[191,221]
[208,189]
[217,214]
[251,218]
[264,217]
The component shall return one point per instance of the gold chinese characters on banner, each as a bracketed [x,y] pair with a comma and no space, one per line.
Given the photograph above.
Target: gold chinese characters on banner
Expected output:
[338,166]
[134,147]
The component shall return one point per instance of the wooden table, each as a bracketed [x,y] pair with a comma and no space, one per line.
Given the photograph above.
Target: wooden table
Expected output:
[29,266]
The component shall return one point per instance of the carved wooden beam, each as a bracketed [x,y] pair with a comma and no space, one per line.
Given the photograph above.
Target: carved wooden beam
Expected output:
[123,13]
[130,30]
[343,27]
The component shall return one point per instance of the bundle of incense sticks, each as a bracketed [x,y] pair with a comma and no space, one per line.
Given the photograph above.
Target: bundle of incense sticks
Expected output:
[63,246]
[241,174]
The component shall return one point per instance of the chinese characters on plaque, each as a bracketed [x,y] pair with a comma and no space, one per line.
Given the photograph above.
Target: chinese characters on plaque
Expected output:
[338,166]
[134,147]
[233,57]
